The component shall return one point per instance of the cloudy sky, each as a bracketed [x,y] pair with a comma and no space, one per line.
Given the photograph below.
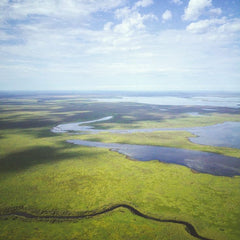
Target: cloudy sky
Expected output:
[120,45]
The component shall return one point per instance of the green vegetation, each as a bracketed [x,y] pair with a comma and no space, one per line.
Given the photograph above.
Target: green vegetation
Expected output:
[40,173]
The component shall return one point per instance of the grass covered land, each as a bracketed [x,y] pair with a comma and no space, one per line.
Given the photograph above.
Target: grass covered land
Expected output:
[42,174]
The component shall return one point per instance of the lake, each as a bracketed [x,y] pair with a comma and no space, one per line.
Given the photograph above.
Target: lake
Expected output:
[203,162]
[225,135]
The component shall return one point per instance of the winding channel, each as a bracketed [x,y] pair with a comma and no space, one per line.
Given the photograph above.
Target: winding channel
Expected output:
[203,162]
[188,226]
[225,134]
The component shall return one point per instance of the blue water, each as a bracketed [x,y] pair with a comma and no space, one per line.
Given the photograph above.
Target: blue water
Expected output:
[203,162]
[220,135]
[225,135]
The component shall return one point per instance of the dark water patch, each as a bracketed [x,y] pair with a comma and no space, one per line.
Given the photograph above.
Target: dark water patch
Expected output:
[203,162]
[188,226]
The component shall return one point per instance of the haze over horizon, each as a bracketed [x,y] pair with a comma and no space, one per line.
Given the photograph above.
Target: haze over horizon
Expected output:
[141,45]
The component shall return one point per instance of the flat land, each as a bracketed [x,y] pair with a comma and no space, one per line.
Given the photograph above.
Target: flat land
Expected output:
[42,174]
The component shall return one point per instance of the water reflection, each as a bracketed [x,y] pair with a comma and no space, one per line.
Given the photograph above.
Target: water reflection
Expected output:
[221,135]
[200,161]
[225,134]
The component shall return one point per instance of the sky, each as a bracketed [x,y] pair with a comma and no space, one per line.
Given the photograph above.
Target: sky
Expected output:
[141,45]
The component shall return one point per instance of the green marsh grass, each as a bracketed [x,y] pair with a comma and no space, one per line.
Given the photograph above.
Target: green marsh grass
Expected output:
[40,173]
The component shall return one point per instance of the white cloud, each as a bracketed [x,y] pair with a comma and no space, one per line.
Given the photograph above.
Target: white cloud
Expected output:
[195,9]
[62,8]
[178,2]
[143,3]
[119,51]
[167,15]
[216,25]
[105,52]
[161,59]
[4,36]
[205,25]
[131,20]
[108,26]
[231,26]
[122,13]
[216,11]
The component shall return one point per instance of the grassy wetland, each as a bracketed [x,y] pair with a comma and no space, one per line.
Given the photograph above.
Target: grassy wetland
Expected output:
[43,175]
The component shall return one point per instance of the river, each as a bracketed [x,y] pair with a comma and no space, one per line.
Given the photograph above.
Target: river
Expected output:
[226,134]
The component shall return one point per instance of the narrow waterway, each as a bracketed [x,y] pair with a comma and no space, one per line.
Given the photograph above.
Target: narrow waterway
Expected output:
[219,135]
[189,227]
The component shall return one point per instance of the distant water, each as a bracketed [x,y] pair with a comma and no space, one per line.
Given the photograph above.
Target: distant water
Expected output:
[221,135]
[200,161]
[67,127]
[227,101]
[225,134]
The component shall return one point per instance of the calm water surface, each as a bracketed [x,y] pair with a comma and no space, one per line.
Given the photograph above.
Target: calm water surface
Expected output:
[220,135]
[203,162]
[226,134]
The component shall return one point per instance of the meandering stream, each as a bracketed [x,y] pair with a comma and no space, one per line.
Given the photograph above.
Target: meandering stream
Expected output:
[189,227]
